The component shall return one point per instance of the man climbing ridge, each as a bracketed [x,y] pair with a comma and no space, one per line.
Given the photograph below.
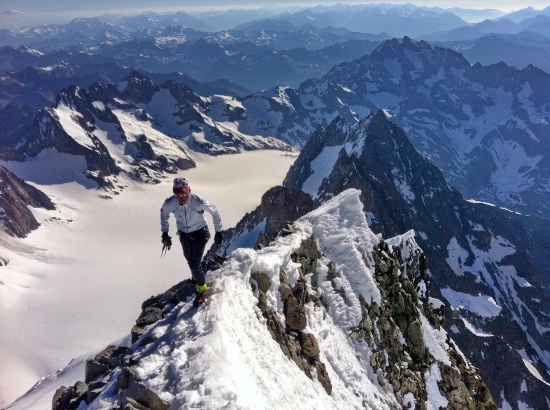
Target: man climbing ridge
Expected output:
[188,209]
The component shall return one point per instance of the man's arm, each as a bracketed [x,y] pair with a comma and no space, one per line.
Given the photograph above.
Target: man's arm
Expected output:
[164,216]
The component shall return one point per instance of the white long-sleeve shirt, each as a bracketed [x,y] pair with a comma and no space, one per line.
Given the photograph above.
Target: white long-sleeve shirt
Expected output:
[189,216]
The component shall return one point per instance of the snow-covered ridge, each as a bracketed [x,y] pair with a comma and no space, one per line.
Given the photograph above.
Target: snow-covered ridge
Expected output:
[486,263]
[141,129]
[309,320]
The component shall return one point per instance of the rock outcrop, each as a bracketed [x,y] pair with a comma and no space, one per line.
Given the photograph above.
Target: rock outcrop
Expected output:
[16,197]
[298,345]
[279,206]
[116,364]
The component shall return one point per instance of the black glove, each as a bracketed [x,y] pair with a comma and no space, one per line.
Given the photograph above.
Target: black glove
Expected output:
[166,240]
[218,237]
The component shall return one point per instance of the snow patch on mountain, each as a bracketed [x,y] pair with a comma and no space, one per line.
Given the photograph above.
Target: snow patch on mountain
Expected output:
[280,94]
[457,256]
[473,329]
[68,120]
[248,238]
[62,168]
[435,399]
[531,367]
[481,305]
[475,201]
[162,107]
[99,105]
[512,171]
[504,284]
[348,246]
[321,168]
[402,186]
[436,341]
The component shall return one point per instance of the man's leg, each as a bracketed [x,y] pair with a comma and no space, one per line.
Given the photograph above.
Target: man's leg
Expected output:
[193,249]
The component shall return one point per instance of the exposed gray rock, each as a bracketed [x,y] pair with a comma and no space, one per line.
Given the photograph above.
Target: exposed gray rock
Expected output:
[136,333]
[322,375]
[16,196]
[69,398]
[301,347]
[263,281]
[126,377]
[156,307]
[310,348]
[132,391]
[399,314]
[294,313]
[131,404]
[149,316]
[176,294]
[60,398]
[94,390]
[139,89]
[108,359]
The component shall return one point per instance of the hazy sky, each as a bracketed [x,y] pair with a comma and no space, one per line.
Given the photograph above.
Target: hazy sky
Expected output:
[16,12]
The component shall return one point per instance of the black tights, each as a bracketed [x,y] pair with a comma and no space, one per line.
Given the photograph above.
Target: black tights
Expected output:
[193,245]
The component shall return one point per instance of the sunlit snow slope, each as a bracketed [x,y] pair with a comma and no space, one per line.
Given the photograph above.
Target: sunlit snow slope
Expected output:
[97,254]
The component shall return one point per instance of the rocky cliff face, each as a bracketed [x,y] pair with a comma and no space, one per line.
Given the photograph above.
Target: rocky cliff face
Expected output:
[16,197]
[488,264]
[340,300]
[279,207]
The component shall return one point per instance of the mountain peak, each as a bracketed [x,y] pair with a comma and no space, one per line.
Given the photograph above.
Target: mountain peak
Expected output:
[382,117]
[73,97]
[138,88]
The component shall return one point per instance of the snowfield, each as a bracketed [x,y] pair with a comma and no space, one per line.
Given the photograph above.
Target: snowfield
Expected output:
[77,283]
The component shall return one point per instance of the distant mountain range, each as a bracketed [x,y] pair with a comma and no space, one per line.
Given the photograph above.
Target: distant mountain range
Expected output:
[520,50]
[254,60]
[276,49]
[486,127]
[526,13]
[394,19]
[539,24]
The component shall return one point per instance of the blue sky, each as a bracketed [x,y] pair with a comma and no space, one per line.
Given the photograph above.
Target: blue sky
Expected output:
[87,5]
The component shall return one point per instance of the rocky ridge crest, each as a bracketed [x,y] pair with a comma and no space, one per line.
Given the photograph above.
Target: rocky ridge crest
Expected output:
[401,358]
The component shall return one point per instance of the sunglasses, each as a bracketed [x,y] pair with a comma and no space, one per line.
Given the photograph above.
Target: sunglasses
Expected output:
[182,195]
